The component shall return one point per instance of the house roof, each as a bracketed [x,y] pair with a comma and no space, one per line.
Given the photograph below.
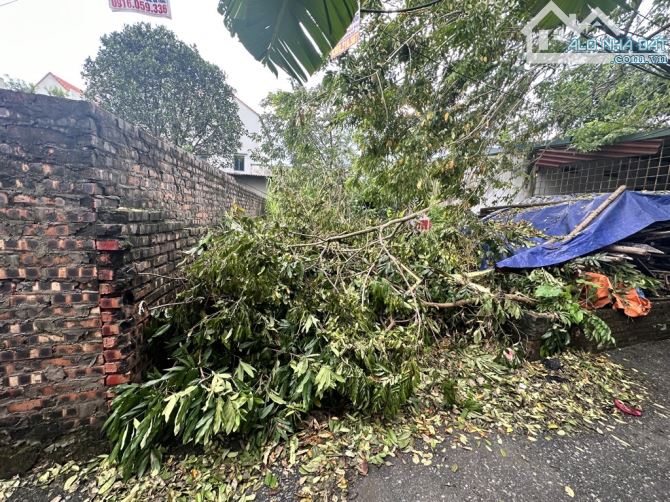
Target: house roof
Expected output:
[246,105]
[558,152]
[67,85]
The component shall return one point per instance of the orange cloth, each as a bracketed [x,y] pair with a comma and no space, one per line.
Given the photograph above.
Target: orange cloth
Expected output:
[633,305]
[598,295]
[601,293]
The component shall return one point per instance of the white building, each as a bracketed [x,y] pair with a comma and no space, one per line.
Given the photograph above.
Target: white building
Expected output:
[53,85]
[246,171]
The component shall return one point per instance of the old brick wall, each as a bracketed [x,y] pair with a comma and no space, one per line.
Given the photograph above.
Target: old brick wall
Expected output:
[625,330]
[94,216]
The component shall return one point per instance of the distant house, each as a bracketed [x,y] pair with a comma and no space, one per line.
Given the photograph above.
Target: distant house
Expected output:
[247,171]
[53,85]
[244,168]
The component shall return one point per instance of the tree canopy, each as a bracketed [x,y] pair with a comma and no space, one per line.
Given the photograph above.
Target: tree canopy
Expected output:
[308,145]
[297,35]
[147,76]
[428,95]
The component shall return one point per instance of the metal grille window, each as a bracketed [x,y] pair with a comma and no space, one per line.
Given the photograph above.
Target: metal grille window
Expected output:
[637,173]
[239,163]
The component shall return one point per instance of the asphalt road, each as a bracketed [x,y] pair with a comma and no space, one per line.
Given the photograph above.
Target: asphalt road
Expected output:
[592,466]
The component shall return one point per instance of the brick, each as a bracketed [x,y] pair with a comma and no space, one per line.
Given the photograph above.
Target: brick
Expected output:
[91,189]
[24,406]
[108,245]
[110,303]
[108,289]
[24,199]
[112,367]
[106,275]
[56,362]
[112,355]
[110,342]
[83,211]
[110,329]
[112,380]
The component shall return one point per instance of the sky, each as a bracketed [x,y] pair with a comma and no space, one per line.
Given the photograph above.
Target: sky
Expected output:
[40,36]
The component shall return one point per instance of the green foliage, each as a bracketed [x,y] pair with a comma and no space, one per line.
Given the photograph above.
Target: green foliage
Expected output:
[428,94]
[580,8]
[596,104]
[310,151]
[148,77]
[604,103]
[276,324]
[558,297]
[17,84]
[294,35]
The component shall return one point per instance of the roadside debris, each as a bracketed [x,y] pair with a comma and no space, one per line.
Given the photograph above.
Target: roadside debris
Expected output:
[489,400]
[628,410]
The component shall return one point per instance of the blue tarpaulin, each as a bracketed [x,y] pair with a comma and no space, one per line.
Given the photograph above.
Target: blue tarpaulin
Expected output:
[627,215]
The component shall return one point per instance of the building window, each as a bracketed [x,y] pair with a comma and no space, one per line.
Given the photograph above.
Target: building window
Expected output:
[239,163]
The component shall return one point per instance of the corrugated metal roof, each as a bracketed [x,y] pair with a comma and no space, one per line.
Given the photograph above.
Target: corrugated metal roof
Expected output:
[639,136]
[557,153]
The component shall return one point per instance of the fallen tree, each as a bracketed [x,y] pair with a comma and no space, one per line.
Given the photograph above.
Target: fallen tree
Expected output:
[274,324]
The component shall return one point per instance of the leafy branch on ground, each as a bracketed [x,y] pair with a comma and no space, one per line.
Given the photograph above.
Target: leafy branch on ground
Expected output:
[274,326]
[467,398]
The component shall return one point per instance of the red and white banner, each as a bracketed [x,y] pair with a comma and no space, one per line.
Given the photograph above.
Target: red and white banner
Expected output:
[158,8]
[351,38]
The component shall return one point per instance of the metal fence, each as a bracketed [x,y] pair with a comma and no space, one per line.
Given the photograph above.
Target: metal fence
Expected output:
[637,173]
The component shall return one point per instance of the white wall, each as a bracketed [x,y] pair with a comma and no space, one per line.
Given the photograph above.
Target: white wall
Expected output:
[49,82]
[514,190]
[254,175]
[251,122]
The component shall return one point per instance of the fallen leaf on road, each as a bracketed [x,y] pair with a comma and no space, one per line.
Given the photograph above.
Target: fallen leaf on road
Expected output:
[570,492]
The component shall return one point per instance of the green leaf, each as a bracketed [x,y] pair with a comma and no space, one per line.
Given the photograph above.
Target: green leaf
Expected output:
[546,290]
[70,482]
[580,8]
[276,398]
[271,481]
[171,402]
[294,35]
[324,380]
[249,370]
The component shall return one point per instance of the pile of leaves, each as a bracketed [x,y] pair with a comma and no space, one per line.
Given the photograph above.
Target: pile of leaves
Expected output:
[465,399]
[274,325]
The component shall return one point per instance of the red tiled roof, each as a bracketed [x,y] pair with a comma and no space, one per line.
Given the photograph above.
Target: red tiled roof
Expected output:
[67,85]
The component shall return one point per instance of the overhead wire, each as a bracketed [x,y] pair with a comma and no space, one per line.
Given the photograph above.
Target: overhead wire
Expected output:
[403,10]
